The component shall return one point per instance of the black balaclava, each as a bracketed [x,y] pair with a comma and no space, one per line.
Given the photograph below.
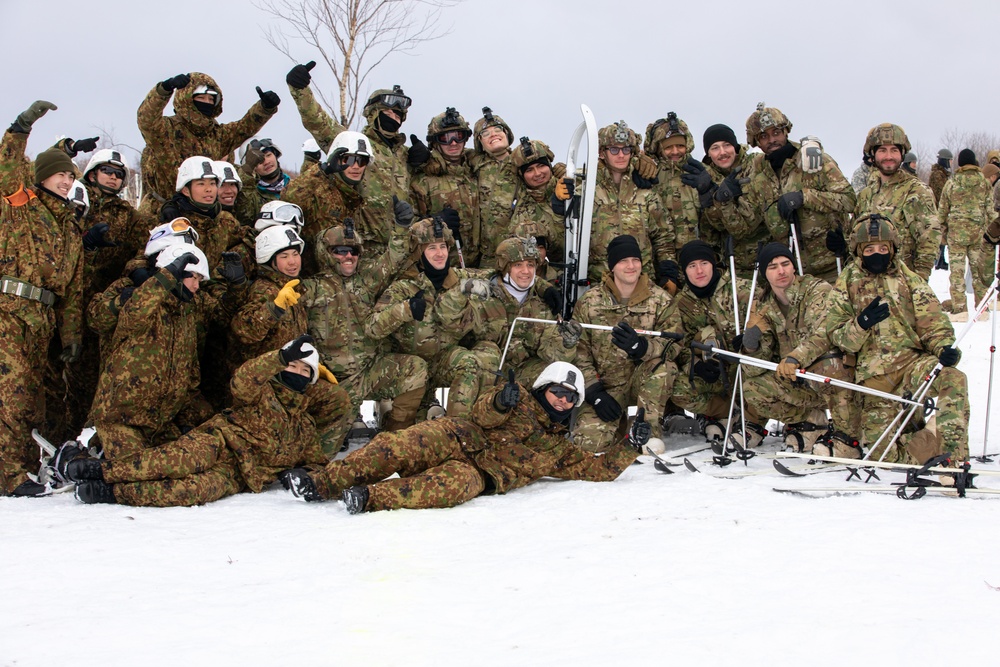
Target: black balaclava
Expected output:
[556,416]
[206,108]
[778,157]
[436,276]
[293,381]
[877,263]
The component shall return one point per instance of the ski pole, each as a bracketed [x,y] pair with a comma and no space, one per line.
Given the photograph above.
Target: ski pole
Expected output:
[461,257]
[993,349]
[793,230]
[738,383]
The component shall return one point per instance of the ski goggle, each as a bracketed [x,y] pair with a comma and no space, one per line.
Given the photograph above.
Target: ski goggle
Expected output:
[394,101]
[108,170]
[183,226]
[287,214]
[615,150]
[568,395]
[345,250]
[452,137]
[351,160]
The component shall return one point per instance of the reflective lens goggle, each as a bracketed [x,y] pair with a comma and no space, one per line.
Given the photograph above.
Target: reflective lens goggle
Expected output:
[615,150]
[452,137]
[394,101]
[288,214]
[569,395]
[108,170]
[183,226]
[351,160]
[344,250]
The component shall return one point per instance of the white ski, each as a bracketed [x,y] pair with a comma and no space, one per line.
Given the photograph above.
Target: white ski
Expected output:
[579,219]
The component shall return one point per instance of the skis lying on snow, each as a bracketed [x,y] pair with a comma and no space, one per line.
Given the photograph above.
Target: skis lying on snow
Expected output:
[664,463]
[793,471]
[900,490]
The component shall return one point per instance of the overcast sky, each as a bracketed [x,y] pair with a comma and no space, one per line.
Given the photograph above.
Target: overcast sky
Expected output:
[835,69]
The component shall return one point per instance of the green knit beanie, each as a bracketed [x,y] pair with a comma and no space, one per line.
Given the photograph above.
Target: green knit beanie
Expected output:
[50,162]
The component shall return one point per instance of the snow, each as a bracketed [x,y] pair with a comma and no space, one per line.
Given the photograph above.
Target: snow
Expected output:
[653,568]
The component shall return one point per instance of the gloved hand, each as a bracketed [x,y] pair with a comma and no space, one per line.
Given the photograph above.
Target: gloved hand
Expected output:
[418,152]
[298,77]
[667,271]
[326,374]
[553,299]
[558,206]
[125,295]
[477,288]
[70,353]
[696,176]
[287,296]
[140,275]
[788,203]
[736,343]
[836,243]
[751,339]
[639,432]
[604,404]
[874,312]
[252,158]
[178,266]
[708,371]
[94,237]
[570,330]
[450,218]
[731,187]
[175,82]
[949,355]
[27,118]
[626,338]
[647,167]
[786,369]
[268,99]
[559,171]
[402,211]
[642,183]
[564,189]
[293,351]
[82,146]
[509,396]
[332,165]
[418,306]
[232,268]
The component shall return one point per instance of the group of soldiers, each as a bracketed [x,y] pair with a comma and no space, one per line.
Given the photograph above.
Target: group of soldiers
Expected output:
[222,335]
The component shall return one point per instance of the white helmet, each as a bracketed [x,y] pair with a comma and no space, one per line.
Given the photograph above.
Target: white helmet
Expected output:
[279,212]
[194,168]
[172,252]
[311,359]
[310,146]
[227,173]
[562,373]
[275,239]
[355,143]
[78,195]
[111,157]
[177,231]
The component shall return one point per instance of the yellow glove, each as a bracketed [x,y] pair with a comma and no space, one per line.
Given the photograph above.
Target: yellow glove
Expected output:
[786,369]
[325,373]
[287,296]
[562,192]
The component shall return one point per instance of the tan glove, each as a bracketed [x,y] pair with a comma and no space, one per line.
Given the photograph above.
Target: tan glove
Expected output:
[646,166]
[562,192]
[287,296]
[559,170]
[786,369]
[325,373]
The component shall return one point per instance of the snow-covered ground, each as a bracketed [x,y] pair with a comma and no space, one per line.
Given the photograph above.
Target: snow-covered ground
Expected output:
[681,569]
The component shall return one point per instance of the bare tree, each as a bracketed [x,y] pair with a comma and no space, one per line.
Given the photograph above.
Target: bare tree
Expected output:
[980,142]
[107,139]
[352,37]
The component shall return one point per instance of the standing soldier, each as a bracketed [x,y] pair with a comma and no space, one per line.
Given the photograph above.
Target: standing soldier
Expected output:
[537,178]
[905,200]
[497,178]
[910,163]
[940,173]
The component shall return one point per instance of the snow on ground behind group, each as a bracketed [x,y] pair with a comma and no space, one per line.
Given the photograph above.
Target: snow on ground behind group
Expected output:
[652,568]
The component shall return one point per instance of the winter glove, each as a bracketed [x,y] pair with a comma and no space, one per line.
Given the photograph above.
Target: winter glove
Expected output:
[736,343]
[696,176]
[788,203]
[668,274]
[731,187]
[647,167]
[125,295]
[94,237]
[325,373]
[639,432]
[332,165]
[751,339]
[570,330]
[786,369]
[949,355]
[449,216]
[604,404]
[178,266]
[477,288]
[252,158]
[564,190]
[508,397]
[298,77]
[640,182]
[140,275]
[232,268]
[27,118]
[626,338]
[402,211]
[559,171]
[553,299]
[708,371]
[836,243]
[874,312]
[293,351]
[287,296]
[82,146]
[418,153]
[418,306]
[175,82]
[268,99]
[70,353]
[558,206]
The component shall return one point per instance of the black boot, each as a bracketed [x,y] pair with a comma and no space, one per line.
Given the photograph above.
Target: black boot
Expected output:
[95,491]
[67,451]
[30,489]
[79,470]
[298,481]
[356,499]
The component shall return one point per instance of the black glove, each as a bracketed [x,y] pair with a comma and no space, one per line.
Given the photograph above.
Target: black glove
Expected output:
[293,351]
[509,395]
[332,164]
[570,331]
[83,146]
[298,77]
[696,176]
[668,269]
[140,275]
[175,82]
[788,203]
[418,306]
[418,153]
[178,266]
[643,183]
[558,206]
[93,238]
[125,295]
[626,338]
[268,99]
[70,353]
[553,299]
[736,343]
[874,312]
[708,371]
[449,217]
[402,211]
[27,118]
[639,432]
[731,187]
[949,355]
[604,404]
[836,243]
[232,269]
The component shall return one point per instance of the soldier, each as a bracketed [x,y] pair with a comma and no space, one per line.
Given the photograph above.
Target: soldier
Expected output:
[903,199]
[910,163]
[261,173]
[940,173]
[787,327]
[280,407]
[454,188]
[513,437]
[192,130]
[626,366]
[40,294]
[430,308]
[966,208]
[888,316]
[230,190]
[498,182]
[533,214]
[859,179]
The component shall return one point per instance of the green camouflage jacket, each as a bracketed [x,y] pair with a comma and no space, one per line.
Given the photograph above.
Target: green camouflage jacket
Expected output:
[966,206]
[800,331]
[457,188]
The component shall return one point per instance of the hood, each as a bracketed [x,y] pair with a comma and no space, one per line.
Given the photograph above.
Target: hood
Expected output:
[184,104]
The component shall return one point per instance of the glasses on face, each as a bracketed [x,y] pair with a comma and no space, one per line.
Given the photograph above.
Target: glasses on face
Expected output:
[344,250]
[351,160]
[615,150]
[568,395]
[108,170]
[451,137]
[394,101]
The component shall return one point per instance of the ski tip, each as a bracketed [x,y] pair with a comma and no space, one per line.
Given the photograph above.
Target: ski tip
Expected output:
[662,467]
[690,466]
[784,470]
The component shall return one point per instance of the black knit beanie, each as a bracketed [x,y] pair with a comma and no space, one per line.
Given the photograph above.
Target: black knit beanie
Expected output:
[622,247]
[966,156]
[772,250]
[720,132]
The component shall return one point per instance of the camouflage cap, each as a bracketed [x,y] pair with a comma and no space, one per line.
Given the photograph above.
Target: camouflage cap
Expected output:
[427,231]
[873,228]
[517,249]
[667,130]
[443,122]
[344,234]
[884,134]
[764,118]
[618,133]
[490,119]
[530,151]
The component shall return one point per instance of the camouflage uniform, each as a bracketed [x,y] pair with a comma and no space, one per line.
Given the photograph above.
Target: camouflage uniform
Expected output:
[498,186]
[171,139]
[648,383]
[939,176]
[748,230]
[260,325]
[271,429]
[446,462]
[533,214]
[329,200]
[859,179]
[965,208]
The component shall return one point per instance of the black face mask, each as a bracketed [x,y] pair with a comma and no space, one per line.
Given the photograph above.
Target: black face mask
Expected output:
[876,263]
[555,415]
[293,381]
[709,289]
[387,124]
[206,108]
[436,276]
[778,157]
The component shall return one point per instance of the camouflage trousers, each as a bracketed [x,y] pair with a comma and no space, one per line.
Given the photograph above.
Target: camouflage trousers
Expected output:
[433,470]
[951,419]
[528,370]
[70,389]
[957,254]
[650,386]
[399,377]
[120,440]
[22,397]
[466,373]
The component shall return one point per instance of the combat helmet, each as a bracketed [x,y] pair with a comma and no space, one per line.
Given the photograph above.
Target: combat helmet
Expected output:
[945,154]
[490,119]
[765,118]
[445,122]
[516,249]
[659,131]
[78,196]
[344,234]
[427,231]
[530,151]
[384,98]
[871,228]
[618,133]
[113,158]
[227,173]
[195,168]
[277,239]
[886,133]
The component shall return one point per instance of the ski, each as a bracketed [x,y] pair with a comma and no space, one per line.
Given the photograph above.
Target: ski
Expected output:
[660,464]
[806,468]
[899,490]
[579,210]
[675,457]
[898,467]
[738,474]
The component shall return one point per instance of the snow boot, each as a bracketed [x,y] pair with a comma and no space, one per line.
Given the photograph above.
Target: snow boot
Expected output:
[654,446]
[95,491]
[801,437]
[755,435]
[67,451]
[31,489]
[436,411]
[681,424]
[298,481]
[356,499]
[79,470]
[839,444]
